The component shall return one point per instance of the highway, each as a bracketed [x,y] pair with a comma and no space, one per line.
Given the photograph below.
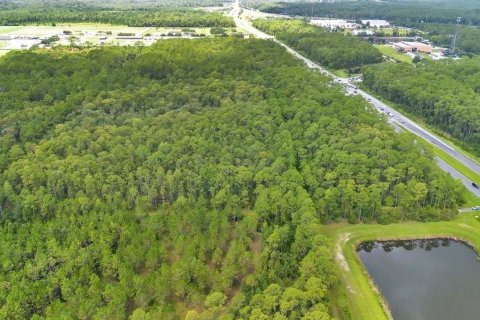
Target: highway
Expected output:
[396,119]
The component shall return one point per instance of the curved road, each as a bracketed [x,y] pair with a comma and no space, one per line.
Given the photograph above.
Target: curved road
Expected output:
[395,118]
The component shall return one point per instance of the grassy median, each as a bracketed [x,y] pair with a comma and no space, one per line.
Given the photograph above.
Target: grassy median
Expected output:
[457,165]
[470,198]
[364,300]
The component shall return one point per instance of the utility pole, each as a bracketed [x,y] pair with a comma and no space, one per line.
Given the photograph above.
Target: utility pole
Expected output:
[454,42]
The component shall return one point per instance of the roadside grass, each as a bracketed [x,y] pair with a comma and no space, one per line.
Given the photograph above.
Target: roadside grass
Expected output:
[340,73]
[471,199]
[392,53]
[467,172]
[343,73]
[364,299]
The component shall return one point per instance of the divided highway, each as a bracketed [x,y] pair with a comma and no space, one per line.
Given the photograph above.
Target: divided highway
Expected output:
[395,118]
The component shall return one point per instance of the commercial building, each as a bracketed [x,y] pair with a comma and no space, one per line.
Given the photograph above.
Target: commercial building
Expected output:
[406,46]
[334,24]
[376,23]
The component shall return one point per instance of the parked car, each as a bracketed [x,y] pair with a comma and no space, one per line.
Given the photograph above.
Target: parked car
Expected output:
[476,208]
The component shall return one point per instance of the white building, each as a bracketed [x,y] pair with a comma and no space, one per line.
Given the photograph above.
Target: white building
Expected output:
[406,46]
[377,23]
[334,24]
[363,31]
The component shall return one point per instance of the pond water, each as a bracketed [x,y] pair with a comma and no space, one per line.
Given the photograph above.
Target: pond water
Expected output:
[436,279]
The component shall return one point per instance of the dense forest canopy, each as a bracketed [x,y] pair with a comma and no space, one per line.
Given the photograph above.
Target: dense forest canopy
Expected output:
[331,49]
[445,94]
[190,178]
[131,17]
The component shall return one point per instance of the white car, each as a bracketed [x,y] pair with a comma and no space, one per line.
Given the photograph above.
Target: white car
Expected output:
[476,208]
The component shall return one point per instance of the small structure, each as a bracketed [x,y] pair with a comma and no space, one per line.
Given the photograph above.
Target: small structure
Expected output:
[376,23]
[406,46]
[362,32]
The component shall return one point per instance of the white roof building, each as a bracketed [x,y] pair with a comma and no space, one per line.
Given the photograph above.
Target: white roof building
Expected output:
[377,23]
[334,23]
[363,31]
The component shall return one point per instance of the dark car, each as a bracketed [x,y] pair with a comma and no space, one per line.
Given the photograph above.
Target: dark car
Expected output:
[475,185]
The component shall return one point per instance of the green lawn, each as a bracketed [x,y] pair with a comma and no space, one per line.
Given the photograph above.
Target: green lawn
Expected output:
[389,31]
[394,54]
[340,73]
[471,199]
[7,29]
[364,300]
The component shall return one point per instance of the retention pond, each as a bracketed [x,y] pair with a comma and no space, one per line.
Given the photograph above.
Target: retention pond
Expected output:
[434,279]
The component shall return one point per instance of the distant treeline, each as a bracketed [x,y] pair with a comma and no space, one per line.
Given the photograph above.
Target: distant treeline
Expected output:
[111,3]
[400,13]
[331,49]
[133,18]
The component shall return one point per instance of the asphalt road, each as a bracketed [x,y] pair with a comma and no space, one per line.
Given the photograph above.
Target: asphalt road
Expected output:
[396,119]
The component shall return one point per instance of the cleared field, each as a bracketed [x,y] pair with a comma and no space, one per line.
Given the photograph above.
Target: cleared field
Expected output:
[41,31]
[92,34]
[364,300]
[394,54]
[8,29]
[389,31]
